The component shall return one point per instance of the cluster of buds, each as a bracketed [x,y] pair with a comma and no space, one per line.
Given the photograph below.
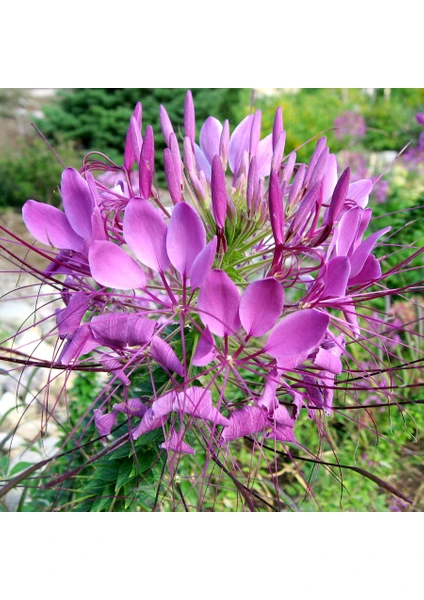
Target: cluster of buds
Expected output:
[243,290]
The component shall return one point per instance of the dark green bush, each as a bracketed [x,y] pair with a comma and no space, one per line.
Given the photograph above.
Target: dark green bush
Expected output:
[32,171]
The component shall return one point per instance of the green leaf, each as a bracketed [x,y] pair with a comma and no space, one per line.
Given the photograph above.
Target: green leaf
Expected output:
[21,466]
[124,474]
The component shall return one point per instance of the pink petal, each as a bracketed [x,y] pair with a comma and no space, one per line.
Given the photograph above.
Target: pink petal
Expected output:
[210,135]
[164,404]
[147,164]
[197,402]
[298,333]
[278,126]
[319,148]
[129,150]
[114,367]
[246,421]
[306,207]
[223,143]
[148,423]
[365,221]
[255,133]
[339,196]
[329,181]
[50,226]
[288,167]
[319,169]
[351,317]
[260,306]
[185,239]
[282,433]
[348,231]
[205,349]
[282,416]
[136,140]
[127,329]
[111,266]
[360,191]
[104,423]
[268,398]
[165,123]
[337,274]
[277,154]
[239,143]
[361,254]
[202,162]
[218,303]
[292,361]
[92,184]
[189,158]
[69,319]
[252,185]
[77,202]
[174,187]
[328,388]
[145,233]
[219,192]
[371,271]
[276,209]
[98,226]
[174,148]
[297,184]
[264,155]
[177,444]
[133,407]
[326,360]
[81,343]
[189,117]
[203,263]
[163,354]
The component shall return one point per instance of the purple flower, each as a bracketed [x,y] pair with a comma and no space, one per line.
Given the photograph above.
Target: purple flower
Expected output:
[68,230]
[244,139]
[350,125]
[231,312]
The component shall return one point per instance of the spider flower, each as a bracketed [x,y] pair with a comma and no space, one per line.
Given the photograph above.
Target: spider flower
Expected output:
[236,306]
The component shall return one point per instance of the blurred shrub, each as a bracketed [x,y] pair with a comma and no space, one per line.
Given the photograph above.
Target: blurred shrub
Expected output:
[32,171]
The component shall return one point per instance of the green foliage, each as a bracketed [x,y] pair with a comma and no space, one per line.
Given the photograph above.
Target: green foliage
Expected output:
[390,119]
[125,479]
[383,442]
[32,172]
[402,211]
[98,119]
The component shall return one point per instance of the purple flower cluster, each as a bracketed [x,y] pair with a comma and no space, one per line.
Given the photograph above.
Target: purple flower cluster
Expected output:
[252,278]
[350,125]
[413,158]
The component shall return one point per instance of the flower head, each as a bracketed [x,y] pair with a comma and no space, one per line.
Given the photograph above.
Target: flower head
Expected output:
[245,298]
